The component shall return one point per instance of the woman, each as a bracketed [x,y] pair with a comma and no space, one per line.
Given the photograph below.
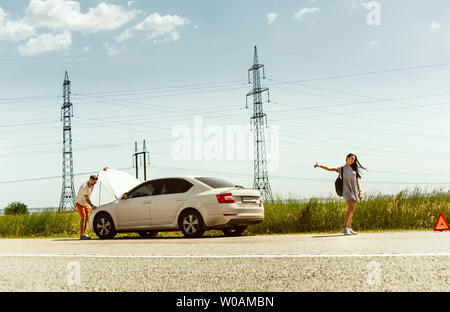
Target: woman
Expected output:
[351,191]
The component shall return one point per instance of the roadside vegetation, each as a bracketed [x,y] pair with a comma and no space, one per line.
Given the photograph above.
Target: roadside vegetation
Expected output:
[43,223]
[408,210]
[16,208]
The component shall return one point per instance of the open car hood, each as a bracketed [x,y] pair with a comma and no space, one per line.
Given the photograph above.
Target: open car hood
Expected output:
[117,182]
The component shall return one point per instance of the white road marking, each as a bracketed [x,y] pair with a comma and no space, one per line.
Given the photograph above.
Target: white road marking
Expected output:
[222,256]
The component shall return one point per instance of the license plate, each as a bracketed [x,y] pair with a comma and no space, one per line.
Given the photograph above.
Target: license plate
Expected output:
[248,200]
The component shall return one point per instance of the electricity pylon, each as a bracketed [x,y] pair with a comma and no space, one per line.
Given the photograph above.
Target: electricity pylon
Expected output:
[67,201]
[143,156]
[258,123]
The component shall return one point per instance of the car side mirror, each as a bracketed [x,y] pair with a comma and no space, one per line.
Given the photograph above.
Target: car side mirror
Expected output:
[125,196]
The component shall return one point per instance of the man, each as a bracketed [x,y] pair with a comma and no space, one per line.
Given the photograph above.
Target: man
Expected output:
[83,202]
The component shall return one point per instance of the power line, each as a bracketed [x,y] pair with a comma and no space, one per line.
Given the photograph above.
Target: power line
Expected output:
[366,111]
[372,146]
[352,102]
[53,177]
[197,86]
[408,106]
[177,51]
[128,92]
[368,73]
[225,173]
[406,151]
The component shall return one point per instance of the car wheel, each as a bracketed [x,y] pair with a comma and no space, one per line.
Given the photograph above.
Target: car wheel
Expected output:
[191,224]
[148,234]
[104,226]
[234,231]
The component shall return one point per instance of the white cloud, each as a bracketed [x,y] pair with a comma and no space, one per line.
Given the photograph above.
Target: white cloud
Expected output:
[67,15]
[111,51]
[158,28]
[373,43]
[126,34]
[14,30]
[435,26]
[86,49]
[46,42]
[271,17]
[63,15]
[48,24]
[299,15]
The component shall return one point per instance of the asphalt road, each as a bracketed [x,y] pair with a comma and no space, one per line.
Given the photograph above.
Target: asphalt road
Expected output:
[404,261]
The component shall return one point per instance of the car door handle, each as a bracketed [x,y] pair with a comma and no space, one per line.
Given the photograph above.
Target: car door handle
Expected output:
[179,199]
[147,202]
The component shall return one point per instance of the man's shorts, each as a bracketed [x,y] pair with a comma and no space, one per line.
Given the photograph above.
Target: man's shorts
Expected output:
[83,211]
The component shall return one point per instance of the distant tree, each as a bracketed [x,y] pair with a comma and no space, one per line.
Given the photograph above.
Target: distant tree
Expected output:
[16,208]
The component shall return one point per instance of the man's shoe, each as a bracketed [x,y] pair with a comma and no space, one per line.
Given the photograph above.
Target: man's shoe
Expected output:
[84,237]
[346,231]
[352,232]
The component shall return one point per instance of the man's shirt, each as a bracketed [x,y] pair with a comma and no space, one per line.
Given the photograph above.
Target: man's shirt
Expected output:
[84,190]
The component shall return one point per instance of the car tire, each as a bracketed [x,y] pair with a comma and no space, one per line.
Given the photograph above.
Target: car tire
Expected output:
[191,224]
[104,226]
[148,234]
[234,231]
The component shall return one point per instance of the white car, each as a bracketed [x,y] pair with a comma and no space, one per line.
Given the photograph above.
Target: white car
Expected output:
[190,204]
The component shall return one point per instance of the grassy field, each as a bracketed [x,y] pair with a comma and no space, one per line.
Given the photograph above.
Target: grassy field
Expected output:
[45,223]
[408,210]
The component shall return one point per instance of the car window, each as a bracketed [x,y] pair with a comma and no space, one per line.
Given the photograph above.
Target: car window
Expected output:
[174,186]
[147,189]
[216,182]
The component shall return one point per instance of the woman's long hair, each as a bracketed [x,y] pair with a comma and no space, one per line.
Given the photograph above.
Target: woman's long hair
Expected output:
[356,165]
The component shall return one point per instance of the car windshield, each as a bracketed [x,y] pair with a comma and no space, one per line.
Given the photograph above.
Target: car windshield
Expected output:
[216,182]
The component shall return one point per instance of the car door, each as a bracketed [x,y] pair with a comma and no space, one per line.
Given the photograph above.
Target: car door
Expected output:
[166,205]
[134,211]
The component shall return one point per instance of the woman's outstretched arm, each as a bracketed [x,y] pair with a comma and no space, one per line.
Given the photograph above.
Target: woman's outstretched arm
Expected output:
[326,168]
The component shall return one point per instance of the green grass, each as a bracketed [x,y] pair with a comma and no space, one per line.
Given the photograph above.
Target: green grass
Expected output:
[46,223]
[53,224]
[408,210]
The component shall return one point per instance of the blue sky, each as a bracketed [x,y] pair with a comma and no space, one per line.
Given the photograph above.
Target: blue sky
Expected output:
[140,69]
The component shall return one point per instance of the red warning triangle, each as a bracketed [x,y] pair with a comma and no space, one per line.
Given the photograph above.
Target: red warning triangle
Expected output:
[441,224]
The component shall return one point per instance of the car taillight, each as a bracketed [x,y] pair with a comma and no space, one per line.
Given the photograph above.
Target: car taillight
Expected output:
[260,203]
[226,198]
